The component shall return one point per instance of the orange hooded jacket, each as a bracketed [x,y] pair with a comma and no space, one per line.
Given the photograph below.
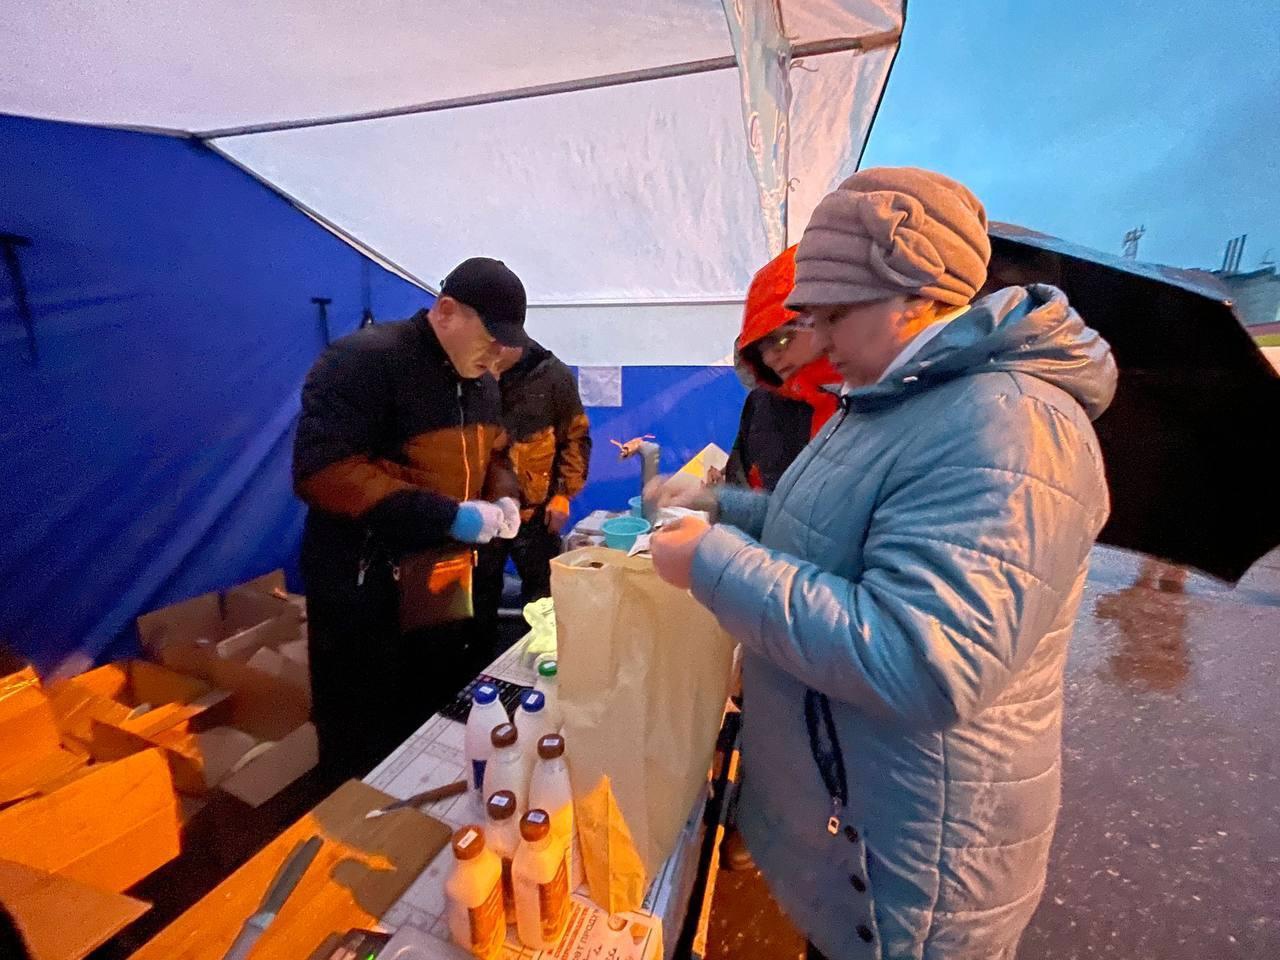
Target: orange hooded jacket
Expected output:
[764,313]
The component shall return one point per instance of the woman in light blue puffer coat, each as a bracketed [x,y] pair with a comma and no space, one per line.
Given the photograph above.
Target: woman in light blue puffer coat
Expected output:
[905,596]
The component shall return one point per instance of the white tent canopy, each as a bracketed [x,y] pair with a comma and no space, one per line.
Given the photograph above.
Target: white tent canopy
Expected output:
[604,150]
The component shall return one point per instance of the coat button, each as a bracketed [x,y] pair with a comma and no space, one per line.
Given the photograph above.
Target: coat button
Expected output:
[851,834]
[865,933]
[858,883]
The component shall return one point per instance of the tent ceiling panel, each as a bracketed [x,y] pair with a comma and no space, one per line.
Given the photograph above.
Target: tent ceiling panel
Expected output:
[833,104]
[636,194]
[806,21]
[661,335]
[621,194]
[193,65]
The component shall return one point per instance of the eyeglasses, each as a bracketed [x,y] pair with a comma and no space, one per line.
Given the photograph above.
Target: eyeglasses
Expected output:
[781,338]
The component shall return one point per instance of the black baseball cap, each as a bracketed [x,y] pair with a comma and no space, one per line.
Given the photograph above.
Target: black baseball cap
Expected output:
[491,289]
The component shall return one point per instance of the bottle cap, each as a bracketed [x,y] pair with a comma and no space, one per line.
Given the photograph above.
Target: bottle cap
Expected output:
[548,668]
[535,825]
[468,842]
[551,746]
[485,694]
[503,735]
[502,805]
[533,701]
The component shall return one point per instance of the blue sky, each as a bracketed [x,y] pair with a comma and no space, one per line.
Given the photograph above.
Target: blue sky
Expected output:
[1084,118]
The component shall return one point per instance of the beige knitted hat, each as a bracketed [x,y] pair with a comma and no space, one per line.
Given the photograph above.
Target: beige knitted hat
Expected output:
[893,230]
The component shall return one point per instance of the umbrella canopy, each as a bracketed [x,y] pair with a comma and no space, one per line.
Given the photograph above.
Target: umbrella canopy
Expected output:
[1197,402]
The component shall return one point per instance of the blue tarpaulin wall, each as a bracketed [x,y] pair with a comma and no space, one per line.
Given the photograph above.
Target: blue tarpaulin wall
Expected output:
[145,457]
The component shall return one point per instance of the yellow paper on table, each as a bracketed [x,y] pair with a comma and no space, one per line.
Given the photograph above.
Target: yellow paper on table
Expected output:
[709,457]
[644,672]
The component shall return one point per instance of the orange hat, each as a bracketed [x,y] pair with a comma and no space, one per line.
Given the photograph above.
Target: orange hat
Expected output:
[766,310]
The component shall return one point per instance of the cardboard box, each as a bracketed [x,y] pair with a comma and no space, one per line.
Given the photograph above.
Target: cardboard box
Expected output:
[251,641]
[134,695]
[123,708]
[257,778]
[217,637]
[108,828]
[61,918]
[27,725]
[32,756]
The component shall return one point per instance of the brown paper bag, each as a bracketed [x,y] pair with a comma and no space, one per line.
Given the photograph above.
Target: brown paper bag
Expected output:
[644,673]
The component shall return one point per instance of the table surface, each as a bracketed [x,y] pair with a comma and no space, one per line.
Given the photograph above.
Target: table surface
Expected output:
[434,756]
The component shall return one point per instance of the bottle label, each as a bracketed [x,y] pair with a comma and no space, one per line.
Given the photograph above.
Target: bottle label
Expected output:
[488,924]
[477,774]
[553,904]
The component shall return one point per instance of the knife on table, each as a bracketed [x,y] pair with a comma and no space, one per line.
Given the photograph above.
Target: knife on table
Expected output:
[285,881]
[433,795]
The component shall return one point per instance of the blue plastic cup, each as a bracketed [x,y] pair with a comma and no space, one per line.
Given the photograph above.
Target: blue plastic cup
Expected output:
[620,532]
[637,506]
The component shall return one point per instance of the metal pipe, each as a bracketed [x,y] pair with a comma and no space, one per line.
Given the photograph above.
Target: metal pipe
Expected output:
[816,48]
[649,456]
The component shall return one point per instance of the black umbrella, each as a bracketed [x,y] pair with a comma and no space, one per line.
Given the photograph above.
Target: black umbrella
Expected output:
[1196,407]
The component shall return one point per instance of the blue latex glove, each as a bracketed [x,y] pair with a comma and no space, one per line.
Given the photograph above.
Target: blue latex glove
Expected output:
[478,521]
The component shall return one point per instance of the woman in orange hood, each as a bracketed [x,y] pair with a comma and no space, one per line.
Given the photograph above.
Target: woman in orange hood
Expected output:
[787,373]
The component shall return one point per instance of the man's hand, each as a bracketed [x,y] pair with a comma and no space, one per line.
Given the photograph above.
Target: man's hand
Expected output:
[510,518]
[673,548]
[681,490]
[557,513]
[477,521]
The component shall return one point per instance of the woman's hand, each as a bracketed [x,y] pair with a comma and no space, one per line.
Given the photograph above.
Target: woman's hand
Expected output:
[673,548]
[681,490]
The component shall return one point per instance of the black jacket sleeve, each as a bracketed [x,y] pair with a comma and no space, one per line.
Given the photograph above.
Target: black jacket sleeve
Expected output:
[338,461]
[736,470]
[573,438]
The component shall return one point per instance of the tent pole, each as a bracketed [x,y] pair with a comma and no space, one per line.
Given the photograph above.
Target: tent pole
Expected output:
[817,48]
[322,305]
[11,242]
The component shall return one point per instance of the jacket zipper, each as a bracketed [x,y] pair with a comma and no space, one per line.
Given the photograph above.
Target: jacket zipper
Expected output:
[824,743]
[466,461]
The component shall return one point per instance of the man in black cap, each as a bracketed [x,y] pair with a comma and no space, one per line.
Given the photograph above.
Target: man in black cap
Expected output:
[401,458]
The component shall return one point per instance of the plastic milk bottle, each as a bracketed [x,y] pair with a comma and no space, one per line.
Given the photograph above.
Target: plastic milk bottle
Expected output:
[474,889]
[486,713]
[549,790]
[532,723]
[541,881]
[503,833]
[505,769]
[547,685]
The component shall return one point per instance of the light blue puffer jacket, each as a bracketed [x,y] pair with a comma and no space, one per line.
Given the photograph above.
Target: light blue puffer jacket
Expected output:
[921,564]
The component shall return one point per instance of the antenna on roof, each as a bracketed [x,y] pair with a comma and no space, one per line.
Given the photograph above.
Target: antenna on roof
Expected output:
[1234,251]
